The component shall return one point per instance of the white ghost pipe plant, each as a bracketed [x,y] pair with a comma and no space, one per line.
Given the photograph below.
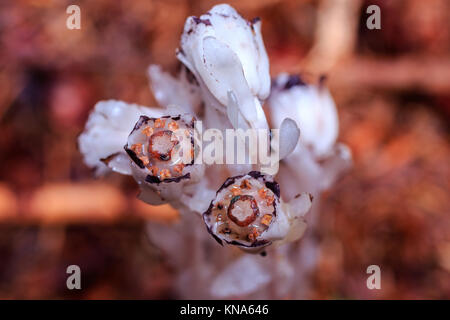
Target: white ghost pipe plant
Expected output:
[225,72]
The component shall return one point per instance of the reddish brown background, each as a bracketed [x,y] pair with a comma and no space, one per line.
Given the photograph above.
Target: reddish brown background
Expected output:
[392,91]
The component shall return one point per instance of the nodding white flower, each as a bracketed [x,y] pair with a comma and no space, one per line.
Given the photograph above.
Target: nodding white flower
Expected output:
[249,212]
[142,142]
[311,106]
[162,153]
[227,55]
[317,160]
[106,132]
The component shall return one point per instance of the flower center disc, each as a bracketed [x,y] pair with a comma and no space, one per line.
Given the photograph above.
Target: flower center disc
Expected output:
[161,145]
[243,210]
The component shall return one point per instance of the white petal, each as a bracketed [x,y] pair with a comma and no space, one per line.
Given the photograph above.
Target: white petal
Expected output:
[327,124]
[169,90]
[149,196]
[233,109]
[263,64]
[107,130]
[120,164]
[335,164]
[222,72]
[298,228]
[300,205]
[243,276]
[296,210]
[289,134]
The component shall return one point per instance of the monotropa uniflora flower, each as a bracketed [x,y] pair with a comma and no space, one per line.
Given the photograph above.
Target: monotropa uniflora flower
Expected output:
[224,82]
[249,212]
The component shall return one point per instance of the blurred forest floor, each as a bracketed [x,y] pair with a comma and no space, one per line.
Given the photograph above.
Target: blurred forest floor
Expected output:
[391,86]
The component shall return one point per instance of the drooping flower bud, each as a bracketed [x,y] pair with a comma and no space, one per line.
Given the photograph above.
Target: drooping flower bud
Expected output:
[226,54]
[317,159]
[311,106]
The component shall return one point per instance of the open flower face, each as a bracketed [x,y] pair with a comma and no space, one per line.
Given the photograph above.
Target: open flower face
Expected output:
[226,54]
[244,208]
[162,147]
[162,154]
[247,211]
